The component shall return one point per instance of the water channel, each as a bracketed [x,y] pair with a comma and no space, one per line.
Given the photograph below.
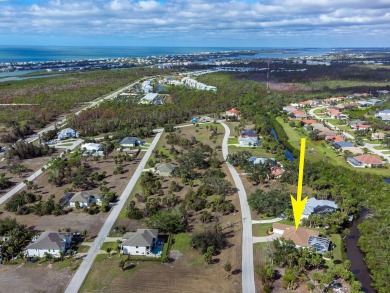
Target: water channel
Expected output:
[358,266]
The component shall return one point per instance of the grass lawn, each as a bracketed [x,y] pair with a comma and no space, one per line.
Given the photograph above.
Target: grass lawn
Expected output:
[386,152]
[255,151]
[382,147]
[259,253]
[112,245]
[319,111]
[83,248]
[104,270]
[287,222]
[260,230]
[232,140]
[181,242]
[337,251]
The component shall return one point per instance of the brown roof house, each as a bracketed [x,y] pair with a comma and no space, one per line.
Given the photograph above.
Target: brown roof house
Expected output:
[302,237]
[366,160]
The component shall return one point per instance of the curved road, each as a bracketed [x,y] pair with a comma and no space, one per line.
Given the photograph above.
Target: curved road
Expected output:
[248,278]
[85,266]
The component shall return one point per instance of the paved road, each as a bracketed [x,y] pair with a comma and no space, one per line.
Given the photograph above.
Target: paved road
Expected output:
[95,103]
[86,264]
[248,279]
[37,173]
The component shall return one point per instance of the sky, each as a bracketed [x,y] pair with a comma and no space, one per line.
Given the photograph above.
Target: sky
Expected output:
[196,23]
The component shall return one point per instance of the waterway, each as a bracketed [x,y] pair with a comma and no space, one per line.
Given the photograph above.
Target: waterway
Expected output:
[358,266]
[288,154]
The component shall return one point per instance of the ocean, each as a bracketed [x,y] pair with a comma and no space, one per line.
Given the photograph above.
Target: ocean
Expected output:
[10,54]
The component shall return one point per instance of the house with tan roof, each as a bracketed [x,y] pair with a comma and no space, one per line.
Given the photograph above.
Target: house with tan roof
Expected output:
[308,121]
[353,150]
[378,135]
[366,160]
[298,114]
[302,237]
[233,113]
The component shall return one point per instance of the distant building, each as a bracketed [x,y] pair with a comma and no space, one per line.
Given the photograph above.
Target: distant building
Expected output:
[383,114]
[52,243]
[232,113]
[67,133]
[378,135]
[298,114]
[150,98]
[342,144]
[255,160]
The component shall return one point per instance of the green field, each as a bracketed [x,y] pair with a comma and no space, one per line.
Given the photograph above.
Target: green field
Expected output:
[260,230]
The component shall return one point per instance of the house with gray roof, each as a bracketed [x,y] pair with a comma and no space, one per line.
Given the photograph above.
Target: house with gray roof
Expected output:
[52,243]
[143,242]
[84,198]
[319,207]
[131,141]
[165,169]
[67,133]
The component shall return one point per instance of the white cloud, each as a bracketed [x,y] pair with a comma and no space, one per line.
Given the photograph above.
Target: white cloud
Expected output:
[197,17]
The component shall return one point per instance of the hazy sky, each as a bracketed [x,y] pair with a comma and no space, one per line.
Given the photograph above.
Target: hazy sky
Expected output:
[239,23]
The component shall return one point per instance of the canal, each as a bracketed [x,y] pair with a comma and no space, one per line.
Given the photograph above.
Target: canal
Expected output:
[358,266]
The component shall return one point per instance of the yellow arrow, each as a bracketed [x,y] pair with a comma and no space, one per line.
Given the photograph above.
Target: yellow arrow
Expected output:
[299,204]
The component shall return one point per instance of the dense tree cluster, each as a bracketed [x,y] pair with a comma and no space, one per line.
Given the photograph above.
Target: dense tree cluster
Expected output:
[16,235]
[272,203]
[25,150]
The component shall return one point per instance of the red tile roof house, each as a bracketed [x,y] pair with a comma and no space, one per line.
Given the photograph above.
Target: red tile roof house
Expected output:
[367,160]
[308,121]
[305,103]
[333,112]
[359,126]
[276,171]
[334,138]
[298,114]
[233,112]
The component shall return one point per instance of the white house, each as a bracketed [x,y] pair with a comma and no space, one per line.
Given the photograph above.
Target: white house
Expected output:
[149,98]
[92,148]
[131,141]
[84,198]
[384,115]
[49,242]
[67,133]
[141,242]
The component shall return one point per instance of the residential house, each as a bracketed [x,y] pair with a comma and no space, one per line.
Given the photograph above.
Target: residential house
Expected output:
[298,114]
[353,150]
[143,242]
[150,98]
[91,148]
[302,237]
[255,160]
[356,122]
[84,198]
[378,135]
[249,138]
[233,113]
[308,121]
[333,113]
[276,171]
[383,114]
[289,109]
[52,243]
[342,144]
[131,141]
[147,86]
[360,126]
[206,119]
[366,160]
[334,138]
[165,169]
[67,133]
[319,207]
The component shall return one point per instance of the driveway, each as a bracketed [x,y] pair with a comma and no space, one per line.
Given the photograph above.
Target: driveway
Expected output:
[247,267]
[268,238]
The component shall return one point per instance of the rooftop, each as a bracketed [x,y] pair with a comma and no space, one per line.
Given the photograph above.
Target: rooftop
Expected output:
[143,237]
[49,240]
[299,236]
[369,159]
[316,206]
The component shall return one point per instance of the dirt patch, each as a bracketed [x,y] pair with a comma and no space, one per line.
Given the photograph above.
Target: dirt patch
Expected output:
[33,278]
[288,87]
